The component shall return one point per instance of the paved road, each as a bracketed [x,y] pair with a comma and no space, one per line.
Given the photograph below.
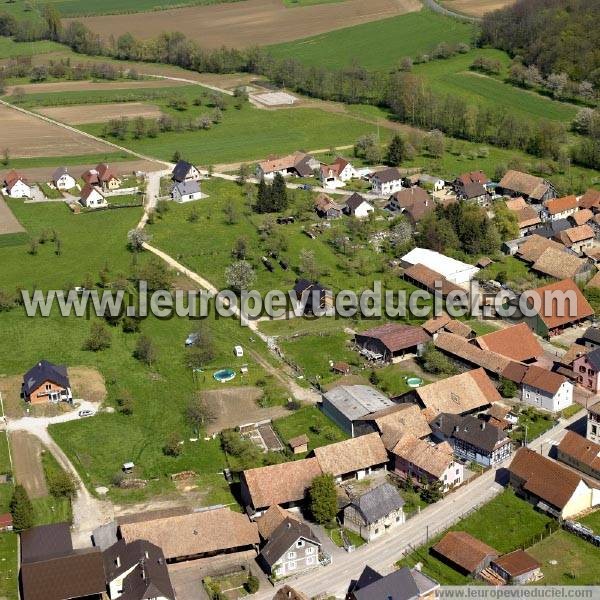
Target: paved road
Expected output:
[382,554]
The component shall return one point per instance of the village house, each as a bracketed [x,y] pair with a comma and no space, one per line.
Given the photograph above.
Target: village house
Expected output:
[425,463]
[184,171]
[204,534]
[534,246]
[16,186]
[62,180]
[284,484]
[593,422]
[453,270]
[474,192]
[546,390]
[560,208]
[580,453]
[590,200]
[527,217]
[52,570]
[401,584]
[312,296]
[413,202]
[102,176]
[291,548]
[445,323]
[327,208]
[46,382]
[516,342]
[427,182]
[298,164]
[581,217]
[464,553]
[137,570]
[375,512]
[554,317]
[558,263]
[186,191]
[357,206]
[578,238]
[92,197]
[531,188]
[392,342]
[337,173]
[591,338]
[386,182]
[517,568]
[346,405]
[549,486]
[472,439]
[355,458]
[471,177]
[586,368]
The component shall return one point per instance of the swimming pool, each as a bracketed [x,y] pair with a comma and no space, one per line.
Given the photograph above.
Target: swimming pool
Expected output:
[224,375]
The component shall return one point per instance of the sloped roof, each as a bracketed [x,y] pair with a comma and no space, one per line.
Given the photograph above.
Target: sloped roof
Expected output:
[387,175]
[323,203]
[576,234]
[524,183]
[356,401]
[401,584]
[45,541]
[352,455]
[181,170]
[407,197]
[464,550]
[470,429]
[434,324]
[431,458]
[271,520]
[535,246]
[378,502]
[594,282]
[186,188]
[559,205]
[517,342]
[544,478]
[473,190]
[591,199]
[42,372]
[574,351]
[473,177]
[545,380]
[459,394]
[526,215]
[575,310]
[517,563]
[458,328]
[582,216]
[284,536]
[428,278]
[211,530]
[354,201]
[88,190]
[282,483]
[558,264]
[59,172]
[397,336]
[581,449]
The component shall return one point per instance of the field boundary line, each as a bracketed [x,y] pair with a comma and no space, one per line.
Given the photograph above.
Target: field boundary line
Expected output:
[190,81]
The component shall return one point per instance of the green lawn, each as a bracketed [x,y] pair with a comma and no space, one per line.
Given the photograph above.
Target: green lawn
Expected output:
[505,523]
[392,380]
[309,420]
[10,49]
[10,566]
[536,422]
[576,561]
[592,520]
[379,44]
[481,327]
[353,538]
[4,454]
[52,161]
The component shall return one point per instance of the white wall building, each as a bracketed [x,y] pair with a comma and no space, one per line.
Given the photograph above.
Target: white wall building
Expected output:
[546,390]
[453,270]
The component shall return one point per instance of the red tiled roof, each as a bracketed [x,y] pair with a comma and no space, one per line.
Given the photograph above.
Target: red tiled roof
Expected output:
[397,336]
[543,379]
[464,550]
[558,205]
[516,342]
[591,199]
[581,449]
[517,563]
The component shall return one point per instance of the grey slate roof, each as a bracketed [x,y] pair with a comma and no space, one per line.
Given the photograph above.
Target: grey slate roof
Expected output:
[185,188]
[354,201]
[387,175]
[44,371]
[592,334]
[58,173]
[593,358]
[356,401]
[181,170]
[403,584]
[378,503]
[45,541]
[105,535]
[284,537]
[473,190]
[469,429]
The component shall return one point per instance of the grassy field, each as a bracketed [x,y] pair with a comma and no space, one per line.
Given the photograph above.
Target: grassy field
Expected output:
[10,566]
[505,523]
[533,424]
[4,455]
[378,45]
[52,161]
[9,48]
[592,520]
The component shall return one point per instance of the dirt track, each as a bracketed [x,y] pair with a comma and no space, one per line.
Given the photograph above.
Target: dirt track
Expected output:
[8,221]
[100,113]
[27,463]
[475,8]
[89,86]
[251,22]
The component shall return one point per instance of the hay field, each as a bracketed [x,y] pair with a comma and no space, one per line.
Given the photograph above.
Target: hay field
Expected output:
[248,23]
[475,8]
[100,113]
[92,86]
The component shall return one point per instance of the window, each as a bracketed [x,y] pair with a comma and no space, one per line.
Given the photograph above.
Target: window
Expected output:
[310,560]
[291,555]
[48,386]
[457,471]
[300,544]
[376,531]
[398,519]
[310,550]
[291,565]
[594,429]
[582,369]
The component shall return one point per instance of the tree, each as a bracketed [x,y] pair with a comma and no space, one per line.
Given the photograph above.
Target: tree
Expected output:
[21,509]
[323,499]
[240,249]
[5,156]
[308,264]
[434,144]
[252,584]
[200,413]
[435,362]
[432,492]
[508,388]
[240,275]
[145,351]
[396,152]
[202,350]
[136,238]
[61,484]
[506,222]
[279,197]
[243,173]
[125,402]
[156,275]
[231,214]
[263,197]
[99,338]
[172,446]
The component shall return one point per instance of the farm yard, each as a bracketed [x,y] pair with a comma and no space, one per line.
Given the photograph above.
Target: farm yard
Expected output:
[249,23]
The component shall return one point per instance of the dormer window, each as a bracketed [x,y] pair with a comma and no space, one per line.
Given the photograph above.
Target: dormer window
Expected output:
[118,561]
[300,544]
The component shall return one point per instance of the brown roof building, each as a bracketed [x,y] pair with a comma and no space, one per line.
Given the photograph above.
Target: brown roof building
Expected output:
[415,202]
[591,200]
[535,246]
[464,552]
[557,206]
[430,280]
[527,216]
[392,340]
[516,342]
[559,264]
[516,183]
[517,567]
[579,452]
[582,216]
[271,520]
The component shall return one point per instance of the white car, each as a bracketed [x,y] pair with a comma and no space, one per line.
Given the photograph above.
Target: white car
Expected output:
[86,413]
[238,351]
[191,339]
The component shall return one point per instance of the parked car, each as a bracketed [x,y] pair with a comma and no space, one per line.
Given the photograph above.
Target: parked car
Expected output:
[191,339]
[238,351]
[86,413]
[306,186]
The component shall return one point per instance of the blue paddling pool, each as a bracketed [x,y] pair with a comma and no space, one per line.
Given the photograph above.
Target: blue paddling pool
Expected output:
[414,382]
[224,375]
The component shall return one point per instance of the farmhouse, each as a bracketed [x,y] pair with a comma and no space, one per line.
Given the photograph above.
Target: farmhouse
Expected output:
[545,389]
[16,185]
[355,458]
[534,189]
[464,553]
[386,182]
[186,191]
[62,180]
[298,164]
[445,323]
[271,520]
[92,197]
[471,177]
[473,439]
[516,342]
[454,270]
[553,315]
[348,404]
[285,484]
[414,202]
[392,342]
[534,246]
[578,238]
[184,171]
[337,173]
[550,486]
[357,206]
[401,584]
[291,548]
[581,217]
[527,217]
[586,369]
[375,512]
[102,176]
[580,453]
[203,534]
[327,208]
[561,265]
[560,208]
[590,200]
[46,382]
[430,280]
[517,568]
[425,463]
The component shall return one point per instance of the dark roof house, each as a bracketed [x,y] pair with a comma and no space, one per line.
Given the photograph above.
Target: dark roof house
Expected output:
[42,373]
[377,503]
[402,584]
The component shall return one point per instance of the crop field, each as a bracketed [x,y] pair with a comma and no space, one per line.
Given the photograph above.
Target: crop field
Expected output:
[249,23]
[8,222]
[377,45]
[91,86]
[101,113]
[475,8]
[25,136]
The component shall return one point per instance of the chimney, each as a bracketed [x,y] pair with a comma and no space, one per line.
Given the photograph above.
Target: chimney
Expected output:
[482,425]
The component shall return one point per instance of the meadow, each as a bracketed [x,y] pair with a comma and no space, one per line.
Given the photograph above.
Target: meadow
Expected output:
[10,49]
[378,45]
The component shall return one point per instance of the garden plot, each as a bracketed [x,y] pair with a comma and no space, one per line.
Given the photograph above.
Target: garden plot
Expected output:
[8,221]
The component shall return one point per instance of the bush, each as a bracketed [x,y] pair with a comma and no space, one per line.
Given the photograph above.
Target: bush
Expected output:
[99,339]
[61,485]
[252,584]
[172,446]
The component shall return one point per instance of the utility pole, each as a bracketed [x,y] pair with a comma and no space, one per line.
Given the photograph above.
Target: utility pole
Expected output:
[526,428]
